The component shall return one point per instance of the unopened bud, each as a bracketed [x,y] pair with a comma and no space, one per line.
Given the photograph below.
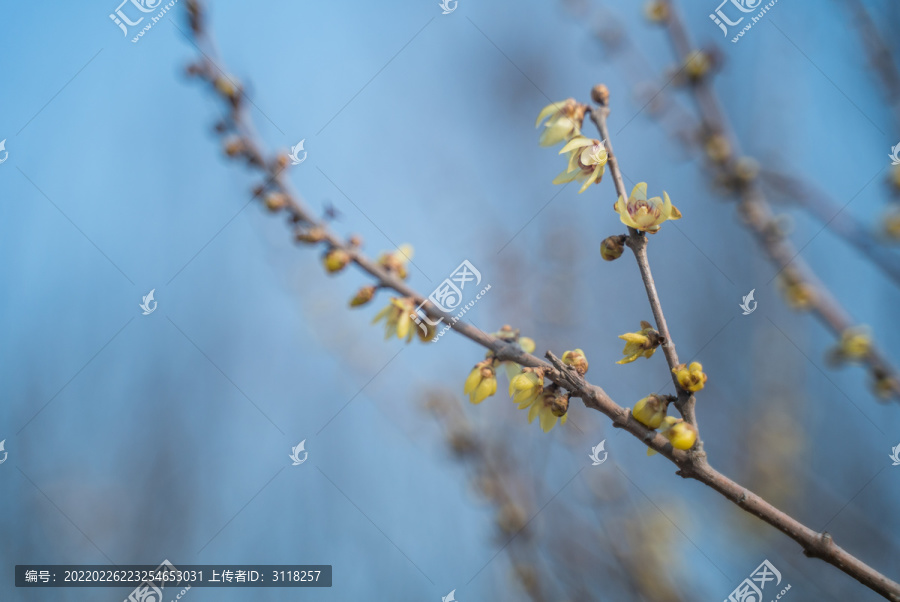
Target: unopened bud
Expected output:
[336,260]
[275,201]
[363,296]
[600,94]
[310,235]
[577,360]
[650,411]
[612,247]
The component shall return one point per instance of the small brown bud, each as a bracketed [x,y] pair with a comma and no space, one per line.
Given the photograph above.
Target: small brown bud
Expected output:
[363,296]
[560,404]
[612,247]
[310,235]
[355,241]
[600,94]
[275,201]
[234,147]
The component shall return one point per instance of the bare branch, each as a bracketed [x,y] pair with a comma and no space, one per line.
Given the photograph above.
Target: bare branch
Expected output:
[691,464]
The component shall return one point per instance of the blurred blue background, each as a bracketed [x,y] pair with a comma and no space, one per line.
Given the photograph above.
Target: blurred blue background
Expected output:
[134,439]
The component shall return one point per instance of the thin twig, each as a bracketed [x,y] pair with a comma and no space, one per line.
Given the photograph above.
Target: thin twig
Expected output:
[637,242]
[821,206]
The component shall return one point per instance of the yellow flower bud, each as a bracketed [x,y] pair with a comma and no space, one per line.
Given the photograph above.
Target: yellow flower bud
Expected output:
[656,11]
[275,201]
[234,146]
[698,65]
[226,86]
[855,345]
[612,247]
[481,382]
[891,220]
[395,262]
[718,149]
[336,260]
[527,344]
[363,296]
[526,387]
[681,435]
[577,360]
[563,121]
[690,377]
[311,235]
[799,294]
[650,411]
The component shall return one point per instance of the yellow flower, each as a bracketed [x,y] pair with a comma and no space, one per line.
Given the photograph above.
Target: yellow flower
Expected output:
[656,11]
[643,342]
[650,411]
[612,247]
[854,345]
[563,121]
[336,260]
[577,360]
[681,434]
[551,407]
[587,161]
[526,387]
[690,377]
[398,318]
[645,214]
[481,383]
[395,261]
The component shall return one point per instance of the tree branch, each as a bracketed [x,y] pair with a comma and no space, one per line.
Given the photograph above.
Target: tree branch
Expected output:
[691,465]
[758,215]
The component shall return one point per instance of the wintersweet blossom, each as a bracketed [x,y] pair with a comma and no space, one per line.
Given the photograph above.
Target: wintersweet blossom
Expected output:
[563,121]
[645,214]
[481,382]
[643,342]
[587,162]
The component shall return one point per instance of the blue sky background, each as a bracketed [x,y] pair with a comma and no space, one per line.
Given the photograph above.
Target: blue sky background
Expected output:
[137,438]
